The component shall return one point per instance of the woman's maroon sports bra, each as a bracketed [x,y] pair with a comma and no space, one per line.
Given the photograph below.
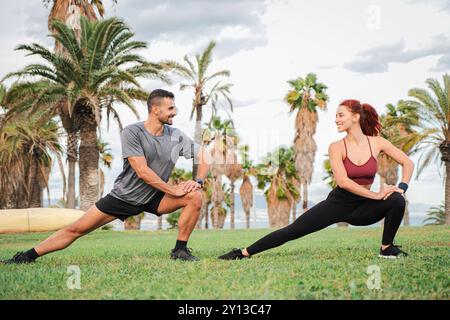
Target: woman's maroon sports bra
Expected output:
[363,174]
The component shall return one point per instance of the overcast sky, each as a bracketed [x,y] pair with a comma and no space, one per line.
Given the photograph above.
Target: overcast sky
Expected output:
[374,51]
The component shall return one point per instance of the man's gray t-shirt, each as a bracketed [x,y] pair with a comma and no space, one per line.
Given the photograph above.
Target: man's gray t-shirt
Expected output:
[161,153]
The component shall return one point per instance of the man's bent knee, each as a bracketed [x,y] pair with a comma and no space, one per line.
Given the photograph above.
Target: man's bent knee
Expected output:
[195,199]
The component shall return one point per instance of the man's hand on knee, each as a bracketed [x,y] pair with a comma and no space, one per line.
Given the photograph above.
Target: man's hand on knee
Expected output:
[190,186]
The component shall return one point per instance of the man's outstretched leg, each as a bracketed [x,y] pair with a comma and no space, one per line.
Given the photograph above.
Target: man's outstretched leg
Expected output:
[91,220]
[191,204]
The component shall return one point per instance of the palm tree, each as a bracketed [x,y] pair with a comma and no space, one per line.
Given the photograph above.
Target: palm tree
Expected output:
[400,125]
[306,95]
[233,171]
[224,156]
[229,202]
[331,182]
[278,170]
[436,215]
[27,144]
[246,189]
[101,70]
[217,197]
[207,199]
[70,12]
[434,111]
[206,87]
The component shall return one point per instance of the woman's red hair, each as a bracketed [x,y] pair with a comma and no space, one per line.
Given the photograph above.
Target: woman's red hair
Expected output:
[368,116]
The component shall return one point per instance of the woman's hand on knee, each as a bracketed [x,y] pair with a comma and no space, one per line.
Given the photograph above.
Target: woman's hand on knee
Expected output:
[401,191]
[386,191]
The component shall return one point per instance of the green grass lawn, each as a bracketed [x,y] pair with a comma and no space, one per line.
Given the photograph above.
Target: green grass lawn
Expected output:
[330,264]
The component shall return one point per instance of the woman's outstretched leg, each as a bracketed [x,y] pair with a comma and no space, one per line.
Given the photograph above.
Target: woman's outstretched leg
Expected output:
[318,217]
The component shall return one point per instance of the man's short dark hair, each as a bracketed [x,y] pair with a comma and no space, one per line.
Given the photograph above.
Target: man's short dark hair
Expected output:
[156,96]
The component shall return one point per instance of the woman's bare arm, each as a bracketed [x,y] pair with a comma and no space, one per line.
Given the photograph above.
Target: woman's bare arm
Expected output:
[399,156]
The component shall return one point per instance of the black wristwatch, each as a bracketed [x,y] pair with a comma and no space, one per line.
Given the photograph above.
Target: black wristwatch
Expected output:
[403,186]
[200,182]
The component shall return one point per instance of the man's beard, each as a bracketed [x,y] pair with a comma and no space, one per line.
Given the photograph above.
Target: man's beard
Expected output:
[167,121]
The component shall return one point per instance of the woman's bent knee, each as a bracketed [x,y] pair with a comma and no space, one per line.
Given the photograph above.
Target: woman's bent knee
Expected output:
[397,199]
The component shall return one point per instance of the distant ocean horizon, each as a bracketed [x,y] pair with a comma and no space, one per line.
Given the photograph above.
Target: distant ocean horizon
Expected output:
[259,218]
[149,223]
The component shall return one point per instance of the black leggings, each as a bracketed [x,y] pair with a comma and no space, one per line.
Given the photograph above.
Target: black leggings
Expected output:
[340,206]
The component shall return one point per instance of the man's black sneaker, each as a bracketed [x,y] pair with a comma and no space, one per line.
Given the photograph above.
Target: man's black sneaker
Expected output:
[183,254]
[235,254]
[19,257]
[392,252]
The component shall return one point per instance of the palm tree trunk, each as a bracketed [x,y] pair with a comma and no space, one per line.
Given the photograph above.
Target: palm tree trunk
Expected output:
[72,156]
[35,185]
[203,211]
[447,193]
[294,211]
[207,217]
[247,219]
[221,218]
[246,193]
[21,200]
[305,197]
[200,218]
[406,215]
[71,185]
[232,206]
[89,156]
[61,10]
[279,210]
[215,216]
[197,137]
[278,213]
[101,189]
[160,221]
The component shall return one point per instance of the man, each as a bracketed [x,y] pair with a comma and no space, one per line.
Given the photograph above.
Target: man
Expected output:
[150,150]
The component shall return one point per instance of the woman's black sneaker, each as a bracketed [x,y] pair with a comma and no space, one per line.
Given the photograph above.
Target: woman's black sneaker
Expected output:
[183,254]
[392,252]
[19,257]
[235,254]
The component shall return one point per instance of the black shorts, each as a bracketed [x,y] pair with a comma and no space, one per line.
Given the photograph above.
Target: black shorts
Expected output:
[123,210]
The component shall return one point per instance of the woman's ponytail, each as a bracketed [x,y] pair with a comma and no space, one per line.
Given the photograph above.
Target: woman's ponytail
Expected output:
[368,116]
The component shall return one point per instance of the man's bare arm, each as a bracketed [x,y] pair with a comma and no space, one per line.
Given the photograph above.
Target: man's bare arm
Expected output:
[139,165]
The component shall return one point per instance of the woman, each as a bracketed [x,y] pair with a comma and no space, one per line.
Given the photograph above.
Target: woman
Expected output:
[354,165]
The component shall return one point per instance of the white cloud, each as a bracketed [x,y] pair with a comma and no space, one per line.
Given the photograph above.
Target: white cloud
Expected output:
[379,58]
